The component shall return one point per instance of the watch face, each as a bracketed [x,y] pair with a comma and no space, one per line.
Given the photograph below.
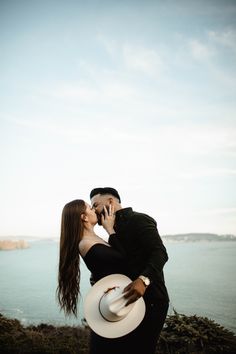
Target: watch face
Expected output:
[146,280]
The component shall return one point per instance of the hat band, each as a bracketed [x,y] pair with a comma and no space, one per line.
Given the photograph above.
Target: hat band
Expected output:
[112,305]
[106,319]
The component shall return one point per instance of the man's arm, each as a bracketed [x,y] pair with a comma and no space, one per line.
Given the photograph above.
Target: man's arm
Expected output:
[150,241]
[151,245]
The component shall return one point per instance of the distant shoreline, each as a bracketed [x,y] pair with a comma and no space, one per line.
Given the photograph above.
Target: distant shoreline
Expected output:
[173,238]
[198,237]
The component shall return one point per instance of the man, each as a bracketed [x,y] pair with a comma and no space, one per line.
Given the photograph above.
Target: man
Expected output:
[137,234]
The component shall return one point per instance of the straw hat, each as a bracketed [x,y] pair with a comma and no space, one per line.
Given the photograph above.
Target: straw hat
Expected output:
[105,310]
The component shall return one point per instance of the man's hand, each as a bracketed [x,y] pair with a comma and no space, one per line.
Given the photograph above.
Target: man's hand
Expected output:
[134,291]
[108,219]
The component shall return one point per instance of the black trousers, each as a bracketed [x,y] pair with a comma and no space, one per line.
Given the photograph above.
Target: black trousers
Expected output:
[143,340]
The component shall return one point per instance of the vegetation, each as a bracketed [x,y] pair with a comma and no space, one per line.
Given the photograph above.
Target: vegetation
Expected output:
[42,339]
[193,334]
[181,334]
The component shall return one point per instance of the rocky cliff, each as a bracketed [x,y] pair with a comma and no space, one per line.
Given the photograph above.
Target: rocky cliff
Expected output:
[7,245]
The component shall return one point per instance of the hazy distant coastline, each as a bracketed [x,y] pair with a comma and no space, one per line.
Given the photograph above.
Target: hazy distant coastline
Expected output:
[186,237]
[198,237]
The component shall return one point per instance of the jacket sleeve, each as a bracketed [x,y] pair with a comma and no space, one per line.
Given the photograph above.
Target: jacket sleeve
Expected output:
[151,245]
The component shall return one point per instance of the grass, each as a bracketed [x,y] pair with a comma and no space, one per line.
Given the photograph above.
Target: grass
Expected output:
[181,334]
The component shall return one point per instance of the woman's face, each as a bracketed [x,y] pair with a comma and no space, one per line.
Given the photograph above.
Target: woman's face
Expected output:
[91,215]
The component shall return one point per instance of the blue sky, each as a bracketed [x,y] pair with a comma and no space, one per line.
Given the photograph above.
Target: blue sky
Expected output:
[131,94]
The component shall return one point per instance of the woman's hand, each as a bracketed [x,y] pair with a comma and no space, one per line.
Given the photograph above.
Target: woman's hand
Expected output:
[108,219]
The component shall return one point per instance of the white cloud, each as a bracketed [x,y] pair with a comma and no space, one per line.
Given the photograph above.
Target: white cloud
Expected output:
[226,38]
[195,139]
[107,90]
[208,172]
[74,92]
[110,45]
[200,51]
[184,220]
[217,211]
[143,59]
[172,140]
[134,57]
[210,51]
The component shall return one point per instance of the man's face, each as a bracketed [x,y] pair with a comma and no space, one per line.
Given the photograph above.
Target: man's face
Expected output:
[98,202]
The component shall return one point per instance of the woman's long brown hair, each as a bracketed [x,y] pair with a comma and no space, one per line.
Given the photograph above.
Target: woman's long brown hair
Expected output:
[69,271]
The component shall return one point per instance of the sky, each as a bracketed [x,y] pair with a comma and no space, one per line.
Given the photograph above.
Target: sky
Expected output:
[135,95]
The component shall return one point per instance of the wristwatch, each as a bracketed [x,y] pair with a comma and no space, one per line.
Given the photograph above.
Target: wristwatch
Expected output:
[146,280]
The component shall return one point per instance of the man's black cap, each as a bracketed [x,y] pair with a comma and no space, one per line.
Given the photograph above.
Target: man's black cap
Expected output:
[105,190]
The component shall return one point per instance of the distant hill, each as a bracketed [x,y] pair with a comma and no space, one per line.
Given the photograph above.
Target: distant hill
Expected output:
[198,237]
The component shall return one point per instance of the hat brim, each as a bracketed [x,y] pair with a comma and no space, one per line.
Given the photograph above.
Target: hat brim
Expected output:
[93,317]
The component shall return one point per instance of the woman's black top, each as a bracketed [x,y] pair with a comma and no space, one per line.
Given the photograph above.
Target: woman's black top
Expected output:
[104,260]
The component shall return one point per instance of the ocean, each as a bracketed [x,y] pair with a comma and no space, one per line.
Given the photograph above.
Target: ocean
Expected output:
[200,278]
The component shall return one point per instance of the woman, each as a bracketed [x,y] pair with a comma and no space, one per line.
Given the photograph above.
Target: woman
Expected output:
[78,238]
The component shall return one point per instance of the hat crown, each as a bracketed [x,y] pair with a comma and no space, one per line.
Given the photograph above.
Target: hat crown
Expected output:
[112,305]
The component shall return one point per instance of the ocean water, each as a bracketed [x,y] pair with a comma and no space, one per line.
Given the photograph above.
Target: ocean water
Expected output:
[200,278]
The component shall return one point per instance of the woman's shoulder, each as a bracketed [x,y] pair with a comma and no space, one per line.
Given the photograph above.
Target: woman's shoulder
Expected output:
[83,246]
[86,244]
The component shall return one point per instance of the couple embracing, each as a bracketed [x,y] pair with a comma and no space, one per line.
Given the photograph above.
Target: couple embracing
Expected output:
[128,303]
